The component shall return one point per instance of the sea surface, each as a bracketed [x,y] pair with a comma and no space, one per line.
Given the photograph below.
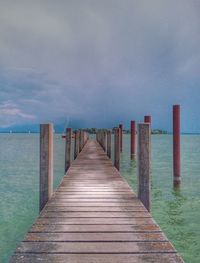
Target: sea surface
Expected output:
[177,212]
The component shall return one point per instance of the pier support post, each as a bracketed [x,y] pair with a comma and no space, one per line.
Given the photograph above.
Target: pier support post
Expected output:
[105,141]
[80,140]
[121,137]
[144,162]
[109,144]
[76,144]
[68,148]
[46,163]
[147,119]
[133,135]
[117,148]
[176,147]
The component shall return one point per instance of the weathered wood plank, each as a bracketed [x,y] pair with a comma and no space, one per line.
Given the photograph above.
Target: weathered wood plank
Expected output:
[93,228]
[95,247]
[111,237]
[97,221]
[96,258]
[123,214]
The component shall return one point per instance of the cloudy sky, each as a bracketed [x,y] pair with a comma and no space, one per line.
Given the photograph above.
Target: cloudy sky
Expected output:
[99,62]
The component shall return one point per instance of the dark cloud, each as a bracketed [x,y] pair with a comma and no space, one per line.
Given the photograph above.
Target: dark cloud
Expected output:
[99,61]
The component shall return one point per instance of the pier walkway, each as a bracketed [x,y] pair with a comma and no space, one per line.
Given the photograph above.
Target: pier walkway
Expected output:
[94,217]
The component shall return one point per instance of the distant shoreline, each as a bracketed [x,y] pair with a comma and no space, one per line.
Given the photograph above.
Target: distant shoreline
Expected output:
[153,133]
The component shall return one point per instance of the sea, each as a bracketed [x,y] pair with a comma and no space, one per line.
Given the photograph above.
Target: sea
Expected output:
[176,211]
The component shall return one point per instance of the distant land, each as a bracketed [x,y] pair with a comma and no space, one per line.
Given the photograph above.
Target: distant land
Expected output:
[60,129]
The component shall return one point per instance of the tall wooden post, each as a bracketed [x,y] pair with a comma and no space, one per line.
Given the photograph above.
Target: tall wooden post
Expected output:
[176,146]
[109,143]
[147,119]
[80,140]
[76,144]
[133,135]
[117,148]
[105,141]
[121,137]
[46,163]
[68,148]
[144,163]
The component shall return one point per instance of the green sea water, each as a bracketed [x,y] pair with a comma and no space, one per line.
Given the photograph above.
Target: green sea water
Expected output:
[177,212]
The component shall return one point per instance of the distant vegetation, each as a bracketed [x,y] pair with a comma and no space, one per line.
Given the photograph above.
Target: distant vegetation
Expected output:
[94,130]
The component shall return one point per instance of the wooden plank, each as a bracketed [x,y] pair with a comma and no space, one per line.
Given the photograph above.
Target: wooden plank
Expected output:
[93,228]
[97,258]
[96,221]
[123,214]
[111,237]
[94,208]
[95,247]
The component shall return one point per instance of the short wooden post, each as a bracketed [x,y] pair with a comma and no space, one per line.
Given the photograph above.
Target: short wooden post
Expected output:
[109,144]
[133,135]
[117,148]
[144,163]
[46,163]
[176,146]
[147,119]
[68,148]
[121,137]
[76,142]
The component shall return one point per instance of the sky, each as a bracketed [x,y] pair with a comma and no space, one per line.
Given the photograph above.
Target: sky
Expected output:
[98,63]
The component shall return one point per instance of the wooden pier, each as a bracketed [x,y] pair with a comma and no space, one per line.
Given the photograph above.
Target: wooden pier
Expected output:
[94,217]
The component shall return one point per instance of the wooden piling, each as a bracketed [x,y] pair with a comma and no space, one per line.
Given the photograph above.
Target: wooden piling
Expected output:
[121,137]
[176,147]
[109,134]
[46,164]
[117,148]
[76,144]
[105,141]
[147,119]
[68,148]
[80,140]
[133,139]
[144,149]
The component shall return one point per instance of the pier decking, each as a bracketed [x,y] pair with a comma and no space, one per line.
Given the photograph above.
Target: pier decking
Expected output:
[94,217]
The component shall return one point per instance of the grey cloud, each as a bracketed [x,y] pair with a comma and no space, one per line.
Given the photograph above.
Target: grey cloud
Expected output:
[95,60]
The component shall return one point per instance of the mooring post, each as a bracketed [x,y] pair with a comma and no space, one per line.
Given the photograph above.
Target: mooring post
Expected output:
[117,148]
[147,119]
[144,163]
[121,137]
[133,135]
[109,143]
[68,148]
[80,138]
[76,141]
[105,141]
[46,163]
[176,146]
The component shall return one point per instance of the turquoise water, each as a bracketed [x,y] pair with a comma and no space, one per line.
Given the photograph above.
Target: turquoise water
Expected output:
[177,212]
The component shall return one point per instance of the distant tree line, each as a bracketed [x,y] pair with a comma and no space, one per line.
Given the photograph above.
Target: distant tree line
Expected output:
[94,131]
